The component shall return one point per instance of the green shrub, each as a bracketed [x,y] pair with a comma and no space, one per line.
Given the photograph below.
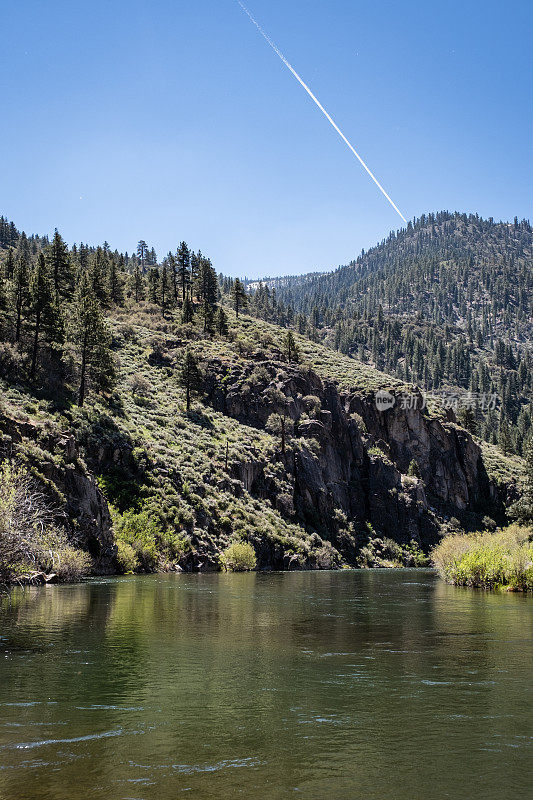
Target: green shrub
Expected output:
[175,545]
[503,558]
[414,470]
[413,555]
[239,557]
[71,564]
[122,491]
[142,532]
[126,558]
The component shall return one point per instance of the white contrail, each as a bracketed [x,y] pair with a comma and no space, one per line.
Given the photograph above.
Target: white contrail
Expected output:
[321,107]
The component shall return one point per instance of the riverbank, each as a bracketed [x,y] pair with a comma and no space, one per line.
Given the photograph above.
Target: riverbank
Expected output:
[488,560]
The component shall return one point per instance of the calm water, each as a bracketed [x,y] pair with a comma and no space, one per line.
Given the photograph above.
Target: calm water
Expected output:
[378,684]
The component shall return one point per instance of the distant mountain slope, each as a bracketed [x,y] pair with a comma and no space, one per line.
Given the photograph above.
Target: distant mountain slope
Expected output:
[446,302]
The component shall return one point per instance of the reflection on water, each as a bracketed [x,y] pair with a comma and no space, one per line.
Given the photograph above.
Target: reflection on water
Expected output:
[376,684]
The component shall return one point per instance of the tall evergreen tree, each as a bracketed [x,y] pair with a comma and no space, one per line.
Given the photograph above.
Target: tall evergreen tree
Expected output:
[10,264]
[195,268]
[20,290]
[187,311]
[142,252]
[207,292]
[60,266]
[239,296]
[137,283]
[42,308]
[183,268]
[98,272]
[164,284]
[291,348]
[522,510]
[190,378]
[115,287]
[92,341]
[173,276]
[221,322]
[153,285]
[3,291]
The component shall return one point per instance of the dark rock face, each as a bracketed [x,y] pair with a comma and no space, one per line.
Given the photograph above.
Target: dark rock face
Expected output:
[449,460]
[87,506]
[81,507]
[349,462]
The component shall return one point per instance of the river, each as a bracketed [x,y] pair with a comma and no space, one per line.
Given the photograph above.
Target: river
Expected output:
[346,685]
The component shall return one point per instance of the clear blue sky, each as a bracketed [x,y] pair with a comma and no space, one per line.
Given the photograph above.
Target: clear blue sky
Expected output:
[170,120]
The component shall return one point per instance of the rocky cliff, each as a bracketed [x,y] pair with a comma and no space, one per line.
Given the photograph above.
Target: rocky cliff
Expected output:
[78,504]
[347,462]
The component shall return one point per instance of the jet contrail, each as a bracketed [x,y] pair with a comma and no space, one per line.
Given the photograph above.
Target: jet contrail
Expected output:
[321,107]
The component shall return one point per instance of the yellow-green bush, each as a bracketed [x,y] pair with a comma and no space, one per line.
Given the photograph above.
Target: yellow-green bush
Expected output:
[70,564]
[142,532]
[239,557]
[126,558]
[503,558]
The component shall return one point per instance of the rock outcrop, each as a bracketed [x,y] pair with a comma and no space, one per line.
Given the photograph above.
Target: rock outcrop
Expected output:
[347,462]
[78,503]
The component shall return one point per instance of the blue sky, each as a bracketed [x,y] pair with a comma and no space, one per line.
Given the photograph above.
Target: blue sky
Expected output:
[168,120]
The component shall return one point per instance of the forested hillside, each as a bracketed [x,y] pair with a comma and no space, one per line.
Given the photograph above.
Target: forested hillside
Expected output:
[152,423]
[446,302]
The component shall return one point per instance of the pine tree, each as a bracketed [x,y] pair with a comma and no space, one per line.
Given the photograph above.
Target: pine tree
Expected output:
[20,290]
[60,266]
[207,292]
[279,422]
[9,266]
[142,252]
[467,419]
[239,296]
[170,259]
[504,434]
[190,378]
[98,276]
[92,341]
[414,470]
[221,322]
[153,285]
[187,311]
[183,269]
[3,291]
[522,510]
[291,348]
[115,287]
[195,267]
[42,307]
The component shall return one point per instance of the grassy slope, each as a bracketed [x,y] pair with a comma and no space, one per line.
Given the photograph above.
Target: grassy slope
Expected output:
[348,372]
[501,468]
